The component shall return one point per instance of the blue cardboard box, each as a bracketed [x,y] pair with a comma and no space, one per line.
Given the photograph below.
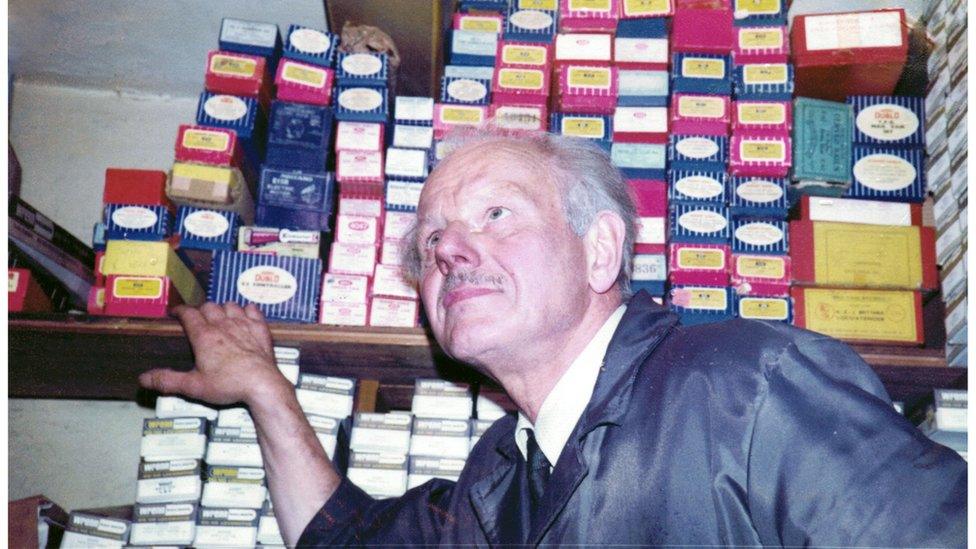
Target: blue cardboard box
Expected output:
[136,222]
[362,69]
[530,25]
[769,81]
[361,104]
[701,73]
[205,229]
[698,152]
[297,200]
[313,46]
[759,196]
[298,136]
[472,48]
[465,91]
[697,187]
[776,309]
[699,223]
[701,304]
[886,121]
[890,173]
[644,27]
[643,88]
[760,236]
[284,288]
[639,160]
[241,114]
[251,38]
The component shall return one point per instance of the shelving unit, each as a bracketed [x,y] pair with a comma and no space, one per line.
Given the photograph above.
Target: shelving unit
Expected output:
[59,356]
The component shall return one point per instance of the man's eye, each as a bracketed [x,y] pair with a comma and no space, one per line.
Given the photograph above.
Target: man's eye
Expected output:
[432,239]
[497,213]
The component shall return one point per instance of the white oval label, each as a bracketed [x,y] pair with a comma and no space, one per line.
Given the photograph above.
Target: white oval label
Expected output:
[758,190]
[225,107]
[361,64]
[531,19]
[206,224]
[703,221]
[887,122]
[697,147]
[466,90]
[267,285]
[360,99]
[309,41]
[759,234]
[884,172]
[134,217]
[699,186]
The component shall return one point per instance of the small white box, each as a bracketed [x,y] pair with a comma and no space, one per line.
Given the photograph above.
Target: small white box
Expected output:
[169,481]
[381,433]
[173,406]
[414,109]
[326,430]
[413,137]
[341,288]
[442,438]
[360,205]
[326,395]
[398,224]
[222,528]
[348,258]
[423,469]
[391,252]
[358,136]
[583,47]
[437,398]
[357,229]
[379,475]
[234,487]
[406,163]
[343,314]
[391,312]
[163,524]
[234,446]
[173,438]
[391,281]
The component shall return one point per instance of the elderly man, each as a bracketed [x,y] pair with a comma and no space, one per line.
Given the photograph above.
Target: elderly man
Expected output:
[632,428]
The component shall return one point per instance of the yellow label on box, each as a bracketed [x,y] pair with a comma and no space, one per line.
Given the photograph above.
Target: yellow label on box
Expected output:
[205,140]
[589,77]
[757,7]
[707,298]
[763,308]
[303,75]
[538,4]
[701,107]
[852,254]
[761,267]
[703,68]
[761,113]
[523,79]
[589,5]
[583,127]
[461,115]
[138,288]
[861,314]
[206,173]
[701,258]
[647,7]
[524,55]
[760,38]
[481,24]
[764,151]
[764,74]
[143,258]
[13,280]
[233,66]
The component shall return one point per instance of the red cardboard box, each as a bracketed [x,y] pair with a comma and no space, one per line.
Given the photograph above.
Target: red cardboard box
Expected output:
[512,53]
[206,145]
[650,197]
[587,89]
[304,83]
[695,30]
[850,210]
[705,264]
[24,295]
[863,256]
[520,86]
[639,9]
[588,15]
[761,275]
[96,300]
[859,315]
[142,296]
[136,187]
[235,73]
[761,45]
[700,114]
[854,53]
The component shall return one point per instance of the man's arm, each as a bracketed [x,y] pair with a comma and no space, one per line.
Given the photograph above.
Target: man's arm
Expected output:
[235,363]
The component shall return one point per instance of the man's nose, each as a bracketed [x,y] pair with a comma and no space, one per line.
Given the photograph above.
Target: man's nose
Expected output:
[455,249]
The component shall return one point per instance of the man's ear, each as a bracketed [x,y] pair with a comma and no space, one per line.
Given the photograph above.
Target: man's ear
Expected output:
[604,242]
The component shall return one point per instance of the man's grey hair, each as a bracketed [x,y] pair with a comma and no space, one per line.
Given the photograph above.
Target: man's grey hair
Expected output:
[590,184]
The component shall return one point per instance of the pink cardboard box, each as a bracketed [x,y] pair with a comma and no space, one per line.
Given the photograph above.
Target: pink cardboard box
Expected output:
[206,145]
[650,197]
[393,313]
[359,166]
[760,154]
[343,288]
[762,117]
[588,15]
[520,117]
[695,30]
[639,9]
[343,314]
[142,296]
[480,22]
[357,229]
[761,45]
[361,204]
[359,136]
[700,114]
[513,53]
[640,125]
[397,224]
[764,275]
[448,116]
[706,264]
[391,251]
[352,258]
[96,300]
[303,83]
[520,86]
[238,74]
[587,89]
[391,281]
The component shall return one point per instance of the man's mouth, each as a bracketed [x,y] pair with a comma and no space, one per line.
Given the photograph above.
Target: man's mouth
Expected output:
[464,293]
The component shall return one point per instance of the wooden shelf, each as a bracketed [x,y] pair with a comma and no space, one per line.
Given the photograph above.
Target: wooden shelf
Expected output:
[63,356]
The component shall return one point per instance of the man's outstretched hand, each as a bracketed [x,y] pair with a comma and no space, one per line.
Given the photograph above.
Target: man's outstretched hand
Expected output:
[234,356]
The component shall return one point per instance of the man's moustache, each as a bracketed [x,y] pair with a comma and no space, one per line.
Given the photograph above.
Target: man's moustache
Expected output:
[469,278]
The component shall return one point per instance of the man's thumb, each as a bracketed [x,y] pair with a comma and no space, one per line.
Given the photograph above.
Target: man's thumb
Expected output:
[164,380]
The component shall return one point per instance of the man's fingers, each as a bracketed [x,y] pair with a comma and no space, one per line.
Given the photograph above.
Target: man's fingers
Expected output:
[253,312]
[166,381]
[212,312]
[233,310]
[189,317]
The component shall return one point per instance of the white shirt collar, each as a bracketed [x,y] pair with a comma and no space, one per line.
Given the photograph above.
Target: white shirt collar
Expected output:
[564,405]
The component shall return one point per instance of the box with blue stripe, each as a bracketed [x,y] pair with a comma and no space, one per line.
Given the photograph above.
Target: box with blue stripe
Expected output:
[252,38]
[298,136]
[701,304]
[697,187]
[760,236]
[465,91]
[759,197]
[403,196]
[639,160]
[472,48]
[290,199]
[465,6]
[136,222]
[777,309]
[98,237]
[530,25]
[470,71]
[204,229]
[313,46]
[699,223]
[241,114]
[698,152]
[889,173]
[701,73]
[597,127]
[362,69]
[749,13]
[643,27]
[886,121]
[640,88]
[361,104]
[767,81]
[284,288]
[414,111]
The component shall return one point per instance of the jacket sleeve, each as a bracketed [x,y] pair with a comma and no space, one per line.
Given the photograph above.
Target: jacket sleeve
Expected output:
[352,518]
[832,463]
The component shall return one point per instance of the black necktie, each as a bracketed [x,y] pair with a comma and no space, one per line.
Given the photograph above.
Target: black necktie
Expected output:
[538,468]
